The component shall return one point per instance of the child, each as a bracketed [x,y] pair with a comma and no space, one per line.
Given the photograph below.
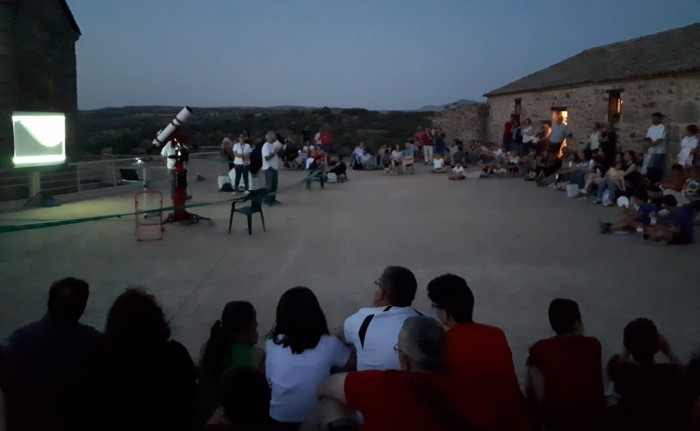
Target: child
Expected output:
[231,345]
[439,164]
[632,217]
[457,172]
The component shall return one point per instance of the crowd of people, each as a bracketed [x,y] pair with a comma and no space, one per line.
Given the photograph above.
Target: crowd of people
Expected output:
[390,367]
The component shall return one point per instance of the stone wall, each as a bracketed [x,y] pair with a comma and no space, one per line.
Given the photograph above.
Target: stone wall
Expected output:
[677,97]
[37,65]
[465,122]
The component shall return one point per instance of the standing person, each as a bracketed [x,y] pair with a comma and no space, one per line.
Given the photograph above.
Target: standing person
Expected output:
[559,134]
[300,355]
[655,155]
[53,364]
[270,166]
[688,146]
[227,148]
[427,142]
[608,144]
[593,142]
[326,141]
[241,151]
[528,137]
[542,136]
[256,179]
[508,133]
[440,146]
[306,136]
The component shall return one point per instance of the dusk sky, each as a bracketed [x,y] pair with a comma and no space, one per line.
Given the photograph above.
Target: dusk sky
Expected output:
[400,54]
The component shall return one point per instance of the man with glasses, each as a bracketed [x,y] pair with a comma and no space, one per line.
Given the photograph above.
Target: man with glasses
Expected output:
[373,330]
[421,396]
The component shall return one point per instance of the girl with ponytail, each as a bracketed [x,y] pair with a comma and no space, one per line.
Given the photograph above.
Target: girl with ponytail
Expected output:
[231,345]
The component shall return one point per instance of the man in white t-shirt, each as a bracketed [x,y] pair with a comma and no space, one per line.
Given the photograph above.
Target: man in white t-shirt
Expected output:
[270,166]
[241,151]
[655,156]
[373,331]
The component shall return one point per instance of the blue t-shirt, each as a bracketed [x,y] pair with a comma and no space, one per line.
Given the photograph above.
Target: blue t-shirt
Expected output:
[682,219]
[407,153]
[644,213]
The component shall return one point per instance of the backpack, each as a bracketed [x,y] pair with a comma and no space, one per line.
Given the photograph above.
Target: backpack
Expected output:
[255,160]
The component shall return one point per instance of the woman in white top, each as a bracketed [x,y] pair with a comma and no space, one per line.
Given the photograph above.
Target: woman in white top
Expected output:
[528,136]
[300,355]
[241,152]
[688,146]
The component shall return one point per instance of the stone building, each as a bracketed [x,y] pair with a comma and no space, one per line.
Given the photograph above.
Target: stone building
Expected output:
[623,82]
[37,64]
[464,122]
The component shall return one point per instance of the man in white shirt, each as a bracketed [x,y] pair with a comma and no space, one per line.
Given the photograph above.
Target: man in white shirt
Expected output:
[270,166]
[655,157]
[374,330]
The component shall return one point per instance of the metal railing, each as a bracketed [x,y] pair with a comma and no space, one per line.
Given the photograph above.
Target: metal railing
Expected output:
[79,177]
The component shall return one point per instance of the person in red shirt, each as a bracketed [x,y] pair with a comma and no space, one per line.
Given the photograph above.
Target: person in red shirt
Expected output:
[426,142]
[478,353]
[565,373]
[418,397]
[326,141]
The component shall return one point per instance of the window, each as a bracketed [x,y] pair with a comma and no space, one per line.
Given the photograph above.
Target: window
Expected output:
[614,105]
[560,111]
[517,108]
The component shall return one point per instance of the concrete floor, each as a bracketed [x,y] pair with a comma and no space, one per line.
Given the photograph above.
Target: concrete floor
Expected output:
[518,246]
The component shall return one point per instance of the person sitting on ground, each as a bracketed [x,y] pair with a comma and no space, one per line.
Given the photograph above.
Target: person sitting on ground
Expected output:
[458,156]
[548,166]
[300,355]
[478,352]
[149,379]
[356,153]
[513,164]
[372,330]
[675,227]
[650,396]
[365,157]
[245,400]
[487,160]
[420,396]
[231,345]
[565,376]
[633,217]
[339,168]
[52,365]
[675,181]
[625,177]
[439,164]
[457,173]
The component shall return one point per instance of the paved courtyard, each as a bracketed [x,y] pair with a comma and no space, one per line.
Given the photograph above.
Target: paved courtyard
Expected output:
[517,245]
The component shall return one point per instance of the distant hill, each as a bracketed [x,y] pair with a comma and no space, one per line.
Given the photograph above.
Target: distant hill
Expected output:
[438,108]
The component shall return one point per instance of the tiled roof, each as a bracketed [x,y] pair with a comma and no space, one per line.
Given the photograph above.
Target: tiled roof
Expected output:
[672,51]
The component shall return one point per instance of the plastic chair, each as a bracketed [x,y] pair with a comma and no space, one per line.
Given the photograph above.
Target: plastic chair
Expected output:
[256,199]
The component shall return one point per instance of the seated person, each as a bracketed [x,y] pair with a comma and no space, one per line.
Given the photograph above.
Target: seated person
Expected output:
[396,159]
[407,157]
[356,153]
[478,352]
[458,156]
[635,216]
[650,396]
[624,177]
[371,330]
[513,164]
[673,184]
[457,173]
[676,227]
[339,168]
[365,157]
[245,401]
[418,397]
[565,377]
[439,164]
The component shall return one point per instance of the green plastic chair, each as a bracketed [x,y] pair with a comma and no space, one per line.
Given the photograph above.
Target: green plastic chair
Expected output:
[256,199]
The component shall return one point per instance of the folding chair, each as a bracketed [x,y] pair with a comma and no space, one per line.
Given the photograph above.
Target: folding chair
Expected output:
[256,199]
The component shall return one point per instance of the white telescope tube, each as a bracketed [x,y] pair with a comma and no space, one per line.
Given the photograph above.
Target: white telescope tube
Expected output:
[178,121]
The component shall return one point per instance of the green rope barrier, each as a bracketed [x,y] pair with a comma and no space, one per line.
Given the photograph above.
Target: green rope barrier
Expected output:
[32,226]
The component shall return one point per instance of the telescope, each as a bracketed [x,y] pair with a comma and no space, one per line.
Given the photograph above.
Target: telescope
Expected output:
[176,122]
